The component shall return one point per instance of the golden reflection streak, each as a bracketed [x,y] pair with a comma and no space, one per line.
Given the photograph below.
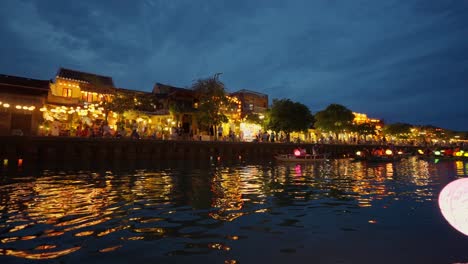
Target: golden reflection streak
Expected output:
[150,230]
[84,233]
[88,224]
[133,238]
[459,167]
[54,234]
[226,189]
[19,227]
[106,232]
[77,220]
[45,247]
[109,249]
[46,255]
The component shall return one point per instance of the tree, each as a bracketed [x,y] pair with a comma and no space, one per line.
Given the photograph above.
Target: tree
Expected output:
[119,103]
[335,118]
[398,130]
[365,129]
[211,95]
[288,116]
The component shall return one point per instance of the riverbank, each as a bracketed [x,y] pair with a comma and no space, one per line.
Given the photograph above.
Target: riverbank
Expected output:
[37,150]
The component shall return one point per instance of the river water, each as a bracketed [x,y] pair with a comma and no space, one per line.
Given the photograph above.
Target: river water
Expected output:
[337,211]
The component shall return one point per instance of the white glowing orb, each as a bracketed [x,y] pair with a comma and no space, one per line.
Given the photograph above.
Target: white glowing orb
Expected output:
[297,152]
[453,203]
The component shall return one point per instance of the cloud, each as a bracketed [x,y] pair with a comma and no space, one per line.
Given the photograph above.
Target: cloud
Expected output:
[390,59]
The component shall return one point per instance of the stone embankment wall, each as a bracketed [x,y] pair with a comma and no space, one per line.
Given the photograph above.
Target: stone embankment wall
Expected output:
[39,150]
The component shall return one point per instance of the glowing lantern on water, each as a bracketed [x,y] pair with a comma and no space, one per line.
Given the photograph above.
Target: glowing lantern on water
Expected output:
[358,153]
[466,154]
[458,154]
[400,152]
[453,204]
[297,152]
[437,153]
[389,152]
[420,152]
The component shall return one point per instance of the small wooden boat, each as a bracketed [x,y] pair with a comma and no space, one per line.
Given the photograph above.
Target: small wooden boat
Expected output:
[301,158]
[387,156]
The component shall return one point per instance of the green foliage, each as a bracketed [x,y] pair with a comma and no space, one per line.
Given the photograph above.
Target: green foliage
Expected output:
[335,118]
[212,99]
[399,130]
[120,103]
[253,118]
[288,116]
[365,129]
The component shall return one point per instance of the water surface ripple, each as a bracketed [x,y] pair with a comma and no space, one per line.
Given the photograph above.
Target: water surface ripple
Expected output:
[337,211]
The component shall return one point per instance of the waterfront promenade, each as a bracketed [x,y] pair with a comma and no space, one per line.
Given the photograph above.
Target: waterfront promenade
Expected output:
[37,150]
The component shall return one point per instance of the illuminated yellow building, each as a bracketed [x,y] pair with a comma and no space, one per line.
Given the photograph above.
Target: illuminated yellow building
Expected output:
[360,118]
[72,87]
[250,102]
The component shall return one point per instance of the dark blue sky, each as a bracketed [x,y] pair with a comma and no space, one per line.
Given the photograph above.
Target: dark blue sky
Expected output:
[403,60]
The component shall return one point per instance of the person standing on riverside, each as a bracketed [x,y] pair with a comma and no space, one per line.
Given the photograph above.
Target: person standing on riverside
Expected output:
[220,132]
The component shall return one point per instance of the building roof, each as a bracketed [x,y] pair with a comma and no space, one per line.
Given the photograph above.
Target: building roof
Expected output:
[91,78]
[130,91]
[173,91]
[249,92]
[16,84]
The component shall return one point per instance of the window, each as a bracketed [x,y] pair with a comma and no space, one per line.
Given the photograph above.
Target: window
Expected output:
[251,107]
[67,92]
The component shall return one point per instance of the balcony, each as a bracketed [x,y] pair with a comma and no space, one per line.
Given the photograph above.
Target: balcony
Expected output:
[60,100]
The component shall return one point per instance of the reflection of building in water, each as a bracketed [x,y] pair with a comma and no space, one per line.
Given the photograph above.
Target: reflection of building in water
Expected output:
[67,207]
[420,172]
[461,168]
[155,187]
[227,196]
[232,188]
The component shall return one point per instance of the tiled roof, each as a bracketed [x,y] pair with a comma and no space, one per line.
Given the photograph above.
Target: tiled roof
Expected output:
[21,85]
[249,92]
[168,89]
[24,82]
[94,79]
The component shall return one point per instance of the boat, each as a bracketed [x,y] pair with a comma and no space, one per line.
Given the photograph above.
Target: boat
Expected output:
[443,155]
[300,155]
[301,158]
[378,156]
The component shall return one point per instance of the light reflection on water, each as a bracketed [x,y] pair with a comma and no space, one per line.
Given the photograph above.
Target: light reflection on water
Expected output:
[330,210]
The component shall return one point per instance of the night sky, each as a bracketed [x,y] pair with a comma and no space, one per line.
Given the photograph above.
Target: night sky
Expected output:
[401,60]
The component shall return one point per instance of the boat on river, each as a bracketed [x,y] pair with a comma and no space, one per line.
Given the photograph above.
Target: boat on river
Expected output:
[300,155]
[443,154]
[379,155]
[304,158]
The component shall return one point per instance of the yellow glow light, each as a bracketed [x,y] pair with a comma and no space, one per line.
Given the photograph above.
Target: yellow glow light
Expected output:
[18,107]
[389,152]
[6,105]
